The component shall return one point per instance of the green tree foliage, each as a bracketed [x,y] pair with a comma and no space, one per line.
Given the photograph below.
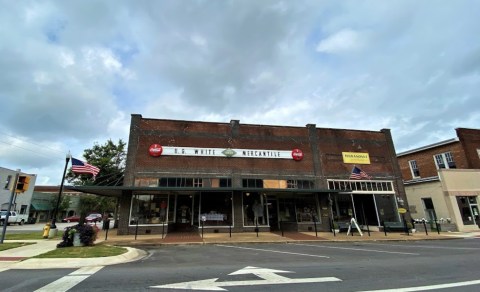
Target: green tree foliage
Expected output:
[110,158]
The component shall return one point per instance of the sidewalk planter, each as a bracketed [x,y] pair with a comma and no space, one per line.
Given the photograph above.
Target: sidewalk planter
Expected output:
[78,235]
[76,240]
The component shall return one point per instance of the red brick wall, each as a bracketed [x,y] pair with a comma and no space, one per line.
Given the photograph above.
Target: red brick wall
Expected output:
[426,162]
[332,142]
[470,140]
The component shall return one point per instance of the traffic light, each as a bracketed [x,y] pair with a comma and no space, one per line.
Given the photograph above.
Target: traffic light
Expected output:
[22,184]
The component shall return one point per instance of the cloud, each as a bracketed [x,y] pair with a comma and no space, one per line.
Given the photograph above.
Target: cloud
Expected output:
[344,40]
[74,72]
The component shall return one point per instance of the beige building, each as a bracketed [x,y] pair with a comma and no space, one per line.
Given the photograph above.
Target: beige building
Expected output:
[442,181]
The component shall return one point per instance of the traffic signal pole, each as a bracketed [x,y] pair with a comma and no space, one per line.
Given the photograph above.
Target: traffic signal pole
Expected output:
[12,195]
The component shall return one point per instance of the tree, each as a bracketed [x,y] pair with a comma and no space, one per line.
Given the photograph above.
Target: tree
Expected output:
[110,158]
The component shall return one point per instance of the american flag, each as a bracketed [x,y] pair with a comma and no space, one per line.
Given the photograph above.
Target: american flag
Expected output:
[81,167]
[357,173]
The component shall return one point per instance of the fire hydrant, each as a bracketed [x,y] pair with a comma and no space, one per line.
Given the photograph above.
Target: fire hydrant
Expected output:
[46,230]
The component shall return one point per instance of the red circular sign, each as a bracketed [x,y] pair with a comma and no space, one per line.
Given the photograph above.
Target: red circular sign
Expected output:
[297,154]
[155,150]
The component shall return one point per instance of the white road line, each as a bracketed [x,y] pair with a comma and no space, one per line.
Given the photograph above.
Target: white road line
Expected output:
[66,283]
[274,251]
[356,249]
[423,246]
[430,287]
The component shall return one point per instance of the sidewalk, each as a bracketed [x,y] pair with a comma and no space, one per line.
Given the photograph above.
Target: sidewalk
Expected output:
[20,258]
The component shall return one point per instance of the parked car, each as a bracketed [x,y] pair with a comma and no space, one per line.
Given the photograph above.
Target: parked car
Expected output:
[73,218]
[13,217]
[94,217]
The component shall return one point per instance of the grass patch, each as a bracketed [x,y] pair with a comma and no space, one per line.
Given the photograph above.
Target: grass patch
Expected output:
[30,236]
[9,245]
[84,252]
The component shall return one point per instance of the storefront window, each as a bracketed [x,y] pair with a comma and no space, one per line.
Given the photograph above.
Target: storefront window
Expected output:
[254,209]
[306,208]
[386,207]
[342,207]
[216,209]
[149,209]
[465,205]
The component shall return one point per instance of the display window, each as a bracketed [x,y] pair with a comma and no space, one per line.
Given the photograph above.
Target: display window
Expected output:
[149,209]
[254,209]
[216,209]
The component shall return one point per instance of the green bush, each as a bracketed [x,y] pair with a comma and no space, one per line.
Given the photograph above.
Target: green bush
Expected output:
[88,234]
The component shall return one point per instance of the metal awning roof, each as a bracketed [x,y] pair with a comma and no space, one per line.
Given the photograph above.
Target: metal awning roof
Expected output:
[117,191]
[42,206]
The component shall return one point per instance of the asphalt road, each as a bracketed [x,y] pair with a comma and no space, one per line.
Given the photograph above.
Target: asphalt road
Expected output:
[446,265]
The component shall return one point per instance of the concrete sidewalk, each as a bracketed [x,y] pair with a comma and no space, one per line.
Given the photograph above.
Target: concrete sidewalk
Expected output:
[21,257]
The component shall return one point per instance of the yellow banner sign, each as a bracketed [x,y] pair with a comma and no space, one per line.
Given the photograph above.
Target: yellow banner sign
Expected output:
[356,157]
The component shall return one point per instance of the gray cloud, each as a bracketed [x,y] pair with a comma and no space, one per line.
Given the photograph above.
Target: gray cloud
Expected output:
[73,72]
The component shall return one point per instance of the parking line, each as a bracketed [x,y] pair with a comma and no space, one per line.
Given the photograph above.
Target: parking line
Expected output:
[423,246]
[274,251]
[356,249]
[66,283]
[430,287]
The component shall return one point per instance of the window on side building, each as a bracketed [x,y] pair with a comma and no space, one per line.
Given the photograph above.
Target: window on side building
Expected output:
[414,168]
[444,160]
[7,182]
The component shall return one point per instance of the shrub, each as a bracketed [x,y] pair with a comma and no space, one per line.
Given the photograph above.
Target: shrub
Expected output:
[88,234]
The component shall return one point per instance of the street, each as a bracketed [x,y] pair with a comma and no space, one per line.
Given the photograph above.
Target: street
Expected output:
[315,266]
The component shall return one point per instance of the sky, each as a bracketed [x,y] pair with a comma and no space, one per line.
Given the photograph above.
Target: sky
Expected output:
[73,72]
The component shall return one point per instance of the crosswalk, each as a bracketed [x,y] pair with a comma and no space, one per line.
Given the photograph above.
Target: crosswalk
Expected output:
[67,282]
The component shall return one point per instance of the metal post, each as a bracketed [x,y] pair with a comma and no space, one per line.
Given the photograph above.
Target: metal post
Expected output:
[202,228]
[405,224]
[136,229]
[315,225]
[384,228]
[256,226]
[425,226]
[333,227]
[55,211]
[230,229]
[5,223]
[281,226]
[163,228]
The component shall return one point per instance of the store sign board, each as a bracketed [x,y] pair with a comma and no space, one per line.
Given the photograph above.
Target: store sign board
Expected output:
[356,157]
[158,150]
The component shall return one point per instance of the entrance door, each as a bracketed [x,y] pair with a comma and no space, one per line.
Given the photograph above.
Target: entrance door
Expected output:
[183,218]
[272,207]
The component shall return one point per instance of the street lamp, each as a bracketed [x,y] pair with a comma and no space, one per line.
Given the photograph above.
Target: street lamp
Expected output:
[55,211]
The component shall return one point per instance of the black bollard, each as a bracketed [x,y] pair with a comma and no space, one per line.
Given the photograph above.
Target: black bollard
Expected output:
[425,226]
[384,229]
[136,229]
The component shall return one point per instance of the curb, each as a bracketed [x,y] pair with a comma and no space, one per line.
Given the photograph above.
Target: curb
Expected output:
[132,254]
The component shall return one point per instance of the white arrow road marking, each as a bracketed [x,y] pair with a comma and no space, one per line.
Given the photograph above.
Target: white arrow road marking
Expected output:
[431,287]
[269,277]
[69,281]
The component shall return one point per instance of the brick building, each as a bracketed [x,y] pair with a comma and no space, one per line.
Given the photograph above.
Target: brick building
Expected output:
[442,180]
[185,175]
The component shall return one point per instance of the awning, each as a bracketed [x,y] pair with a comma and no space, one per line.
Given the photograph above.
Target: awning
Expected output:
[118,191]
[42,206]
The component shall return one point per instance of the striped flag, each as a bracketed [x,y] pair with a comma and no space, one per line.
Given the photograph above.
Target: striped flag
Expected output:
[357,173]
[80,167]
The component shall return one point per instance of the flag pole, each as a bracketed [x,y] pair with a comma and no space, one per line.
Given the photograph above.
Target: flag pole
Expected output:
[55,211]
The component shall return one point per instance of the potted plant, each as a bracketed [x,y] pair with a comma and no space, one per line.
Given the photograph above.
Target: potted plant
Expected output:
[335,227]
[78,235]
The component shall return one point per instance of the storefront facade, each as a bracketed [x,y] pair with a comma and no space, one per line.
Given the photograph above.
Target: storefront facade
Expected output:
[221,177]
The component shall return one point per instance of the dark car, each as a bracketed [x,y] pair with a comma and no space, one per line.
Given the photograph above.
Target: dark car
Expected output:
[94,217]
[73,218]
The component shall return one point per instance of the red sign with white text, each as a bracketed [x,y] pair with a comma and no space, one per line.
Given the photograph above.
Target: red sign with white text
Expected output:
[155,150]
[297,154]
